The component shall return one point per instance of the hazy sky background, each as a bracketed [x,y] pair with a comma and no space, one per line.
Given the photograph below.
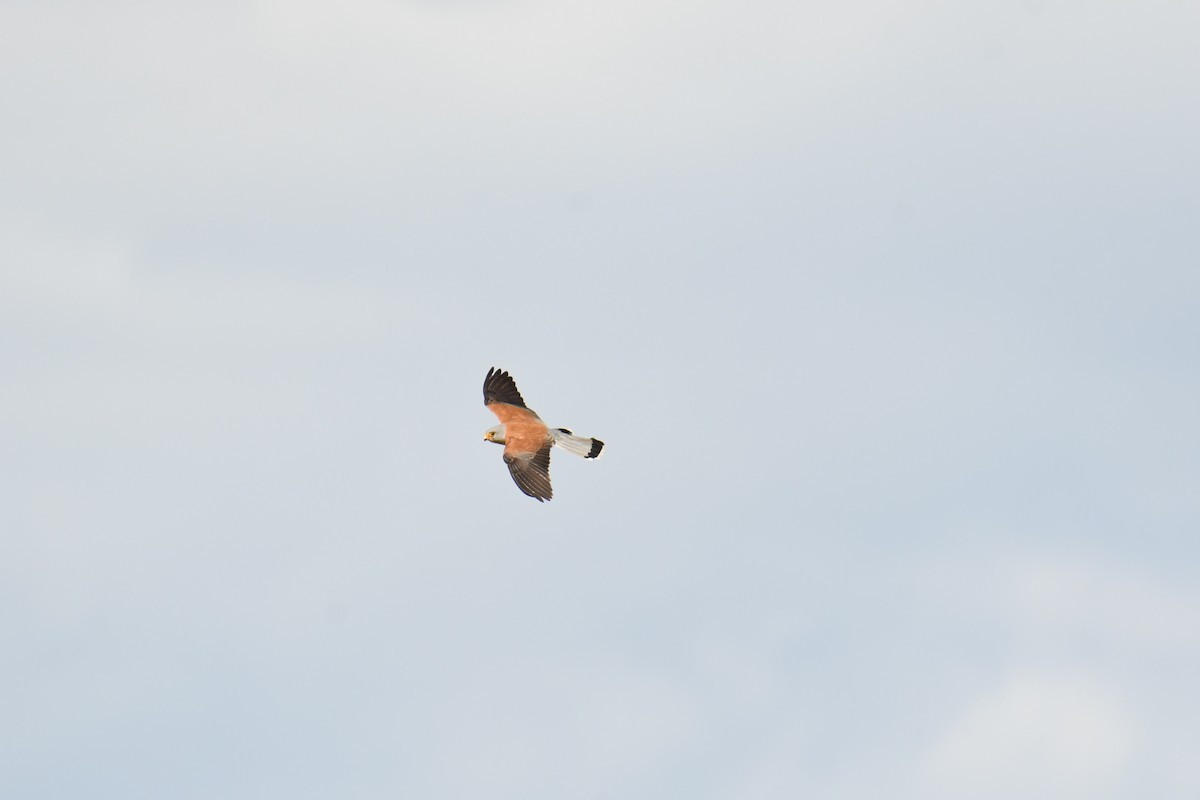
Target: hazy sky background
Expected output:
[889,314]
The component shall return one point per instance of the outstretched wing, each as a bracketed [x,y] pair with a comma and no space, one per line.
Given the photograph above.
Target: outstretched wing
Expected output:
[501,397]
[531,471]
[499,387]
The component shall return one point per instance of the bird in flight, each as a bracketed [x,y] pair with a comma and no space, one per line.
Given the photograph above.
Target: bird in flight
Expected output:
[526,439]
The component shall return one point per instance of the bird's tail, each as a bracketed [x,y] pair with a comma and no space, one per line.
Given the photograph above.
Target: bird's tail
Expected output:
[579,445]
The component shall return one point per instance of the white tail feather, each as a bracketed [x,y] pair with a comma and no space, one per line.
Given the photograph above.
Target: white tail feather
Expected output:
[579,445]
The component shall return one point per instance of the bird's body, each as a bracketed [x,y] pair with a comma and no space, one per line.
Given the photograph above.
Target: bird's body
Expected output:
[526,439]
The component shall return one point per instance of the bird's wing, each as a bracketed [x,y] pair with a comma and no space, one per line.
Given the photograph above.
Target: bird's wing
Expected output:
[531,471]
[499,387]
[501,396]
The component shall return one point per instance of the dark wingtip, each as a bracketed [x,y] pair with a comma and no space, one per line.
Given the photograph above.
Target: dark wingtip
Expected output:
[597,446]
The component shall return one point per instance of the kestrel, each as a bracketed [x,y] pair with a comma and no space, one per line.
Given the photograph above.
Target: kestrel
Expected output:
[526,439]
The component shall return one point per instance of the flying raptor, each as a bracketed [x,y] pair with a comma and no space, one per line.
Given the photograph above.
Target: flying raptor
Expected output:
[526,439]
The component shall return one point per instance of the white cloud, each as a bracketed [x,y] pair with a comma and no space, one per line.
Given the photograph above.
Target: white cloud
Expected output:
[1108,601]
[1054,736]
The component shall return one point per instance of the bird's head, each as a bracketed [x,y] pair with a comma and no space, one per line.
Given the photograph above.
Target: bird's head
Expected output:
[495,434]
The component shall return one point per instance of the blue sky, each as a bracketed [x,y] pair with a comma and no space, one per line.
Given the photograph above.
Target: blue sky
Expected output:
[888,313]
